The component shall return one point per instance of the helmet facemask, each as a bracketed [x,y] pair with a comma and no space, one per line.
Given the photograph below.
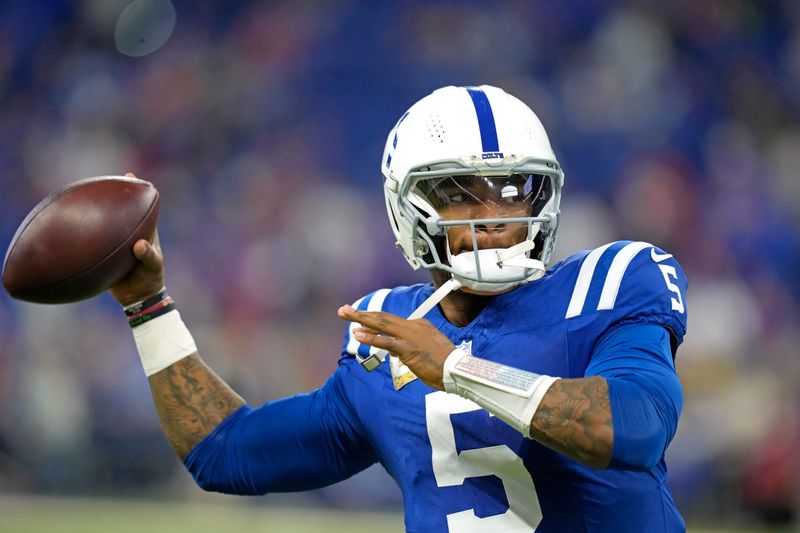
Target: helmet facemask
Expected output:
[472,188]
[492,227]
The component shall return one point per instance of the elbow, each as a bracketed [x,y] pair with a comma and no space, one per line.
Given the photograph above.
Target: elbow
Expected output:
[207,480]
[216,464]
[641,465]
[648,463]
[644,422]
[216,470]
[638,464]
[205,475]
[640,454]
[203,479]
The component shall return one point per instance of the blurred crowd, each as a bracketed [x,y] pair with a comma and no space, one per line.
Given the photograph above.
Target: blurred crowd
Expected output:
[263,123]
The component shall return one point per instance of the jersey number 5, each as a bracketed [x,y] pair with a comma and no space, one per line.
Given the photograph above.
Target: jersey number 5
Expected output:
[669,272]
[451,468]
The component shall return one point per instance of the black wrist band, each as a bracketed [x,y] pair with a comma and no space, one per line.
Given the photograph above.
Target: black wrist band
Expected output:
[148,309]
[144,304]
[165,307]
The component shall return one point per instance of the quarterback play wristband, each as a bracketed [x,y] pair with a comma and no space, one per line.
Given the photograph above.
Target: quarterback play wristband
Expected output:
[511,394]
[163,341]
[142,305]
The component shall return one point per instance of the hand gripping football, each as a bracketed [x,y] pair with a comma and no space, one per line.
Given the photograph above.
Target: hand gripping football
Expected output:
[78,242]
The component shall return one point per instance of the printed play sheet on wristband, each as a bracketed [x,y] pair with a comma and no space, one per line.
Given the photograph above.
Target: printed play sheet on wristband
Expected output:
[513,380]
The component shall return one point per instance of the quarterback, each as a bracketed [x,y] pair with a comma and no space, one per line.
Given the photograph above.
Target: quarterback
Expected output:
[505,396]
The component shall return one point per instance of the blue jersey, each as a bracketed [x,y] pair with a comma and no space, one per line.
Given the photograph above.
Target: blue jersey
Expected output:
[461,469]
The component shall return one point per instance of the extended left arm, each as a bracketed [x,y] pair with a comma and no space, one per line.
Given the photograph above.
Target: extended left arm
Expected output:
[302,442]
[621,415]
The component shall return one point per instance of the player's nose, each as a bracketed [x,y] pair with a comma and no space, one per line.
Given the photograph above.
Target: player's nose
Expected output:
[490,228]
[489,237]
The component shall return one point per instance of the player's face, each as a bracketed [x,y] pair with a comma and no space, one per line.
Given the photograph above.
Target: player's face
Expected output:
[482,197]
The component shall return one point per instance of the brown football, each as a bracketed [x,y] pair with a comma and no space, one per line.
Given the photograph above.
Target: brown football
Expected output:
[78,242]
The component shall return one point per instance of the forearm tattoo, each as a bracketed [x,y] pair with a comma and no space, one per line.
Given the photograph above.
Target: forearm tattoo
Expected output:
[191,400]
[574,418]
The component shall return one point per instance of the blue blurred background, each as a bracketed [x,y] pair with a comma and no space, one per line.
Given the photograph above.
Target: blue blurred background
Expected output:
[263,123]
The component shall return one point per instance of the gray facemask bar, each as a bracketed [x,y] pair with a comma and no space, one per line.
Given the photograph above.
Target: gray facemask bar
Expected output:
[434,225]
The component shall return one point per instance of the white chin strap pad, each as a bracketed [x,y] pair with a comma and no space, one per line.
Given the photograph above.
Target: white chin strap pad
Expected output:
[500,268]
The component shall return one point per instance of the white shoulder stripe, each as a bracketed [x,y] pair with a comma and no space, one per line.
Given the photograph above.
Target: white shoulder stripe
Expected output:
[375,304]
[352,343]
[584,281]
[615,273]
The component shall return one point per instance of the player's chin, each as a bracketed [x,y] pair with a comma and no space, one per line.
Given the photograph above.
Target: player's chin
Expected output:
[485,293]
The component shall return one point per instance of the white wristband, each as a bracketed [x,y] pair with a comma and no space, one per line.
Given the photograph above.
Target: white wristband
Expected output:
[511,394]
[163,341]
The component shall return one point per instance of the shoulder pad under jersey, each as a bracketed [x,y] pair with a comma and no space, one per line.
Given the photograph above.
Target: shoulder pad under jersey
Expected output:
[399,301]
[631,282]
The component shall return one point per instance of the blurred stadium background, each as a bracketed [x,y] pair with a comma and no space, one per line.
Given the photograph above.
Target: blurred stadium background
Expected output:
[262,123]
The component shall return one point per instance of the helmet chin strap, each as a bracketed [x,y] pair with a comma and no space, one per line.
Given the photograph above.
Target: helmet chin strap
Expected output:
[495,270]
[430,302]
[503,257]
[511,257]
[494,260]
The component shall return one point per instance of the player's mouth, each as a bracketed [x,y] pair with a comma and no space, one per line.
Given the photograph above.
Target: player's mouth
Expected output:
[494,236]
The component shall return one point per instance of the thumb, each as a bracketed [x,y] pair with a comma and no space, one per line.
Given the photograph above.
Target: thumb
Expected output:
[148,255]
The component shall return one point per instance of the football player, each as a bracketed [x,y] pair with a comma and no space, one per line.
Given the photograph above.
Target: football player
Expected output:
[514,397]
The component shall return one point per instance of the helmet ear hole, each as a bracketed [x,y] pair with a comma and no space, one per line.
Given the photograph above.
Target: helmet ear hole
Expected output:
[423,250]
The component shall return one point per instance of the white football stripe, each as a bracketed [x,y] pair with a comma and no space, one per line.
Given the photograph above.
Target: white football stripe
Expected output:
[352,343]
[618,267]
[584,280]
[376,304]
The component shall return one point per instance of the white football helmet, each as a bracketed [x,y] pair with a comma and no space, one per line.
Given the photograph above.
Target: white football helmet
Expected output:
[475,146]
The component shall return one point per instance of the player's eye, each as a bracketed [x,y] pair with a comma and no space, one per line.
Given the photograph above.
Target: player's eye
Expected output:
[456,195]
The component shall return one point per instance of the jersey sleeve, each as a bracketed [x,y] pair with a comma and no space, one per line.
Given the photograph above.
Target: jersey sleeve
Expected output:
[626,282]
[644,391]
[297,443]
[646,285]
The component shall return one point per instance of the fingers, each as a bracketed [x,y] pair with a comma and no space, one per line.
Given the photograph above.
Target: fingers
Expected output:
[376,320]
[148,255]
[372,338]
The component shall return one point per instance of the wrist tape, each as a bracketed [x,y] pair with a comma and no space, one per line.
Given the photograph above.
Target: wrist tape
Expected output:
[511,394]
[162,338]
